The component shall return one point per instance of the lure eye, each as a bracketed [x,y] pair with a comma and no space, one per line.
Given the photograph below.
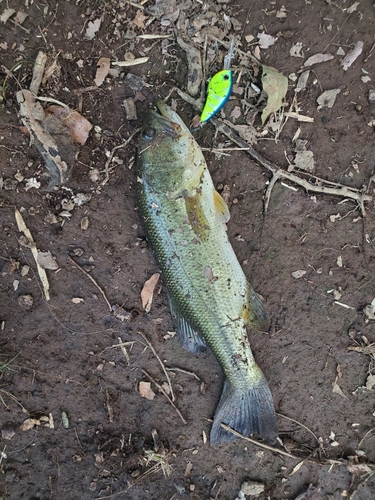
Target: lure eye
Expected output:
[148,133]
[226,77]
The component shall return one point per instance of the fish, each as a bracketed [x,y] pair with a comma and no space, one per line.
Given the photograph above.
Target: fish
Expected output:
[211,300]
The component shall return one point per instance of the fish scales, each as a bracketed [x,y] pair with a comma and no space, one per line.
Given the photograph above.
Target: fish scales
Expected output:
[210,297]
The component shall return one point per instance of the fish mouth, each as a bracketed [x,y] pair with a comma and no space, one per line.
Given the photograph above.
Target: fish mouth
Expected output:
[162,120]
[164,109]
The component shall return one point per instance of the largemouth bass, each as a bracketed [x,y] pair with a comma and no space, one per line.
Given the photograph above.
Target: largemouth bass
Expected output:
[210,298]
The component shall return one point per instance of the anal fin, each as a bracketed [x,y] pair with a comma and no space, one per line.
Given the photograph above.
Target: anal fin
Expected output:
[186,334]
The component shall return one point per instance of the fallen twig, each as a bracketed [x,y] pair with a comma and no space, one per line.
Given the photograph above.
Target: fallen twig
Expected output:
[353,494]
[299,423]
[160,361]
[257,443]
[31,244]
[107,163]
[165,394]
[277,172]
[92,279]
[175,369]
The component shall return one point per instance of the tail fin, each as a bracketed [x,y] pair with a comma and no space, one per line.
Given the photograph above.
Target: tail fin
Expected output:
[247,411]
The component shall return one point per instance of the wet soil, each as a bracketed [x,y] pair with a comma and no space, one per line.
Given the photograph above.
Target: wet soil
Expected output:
[66,359]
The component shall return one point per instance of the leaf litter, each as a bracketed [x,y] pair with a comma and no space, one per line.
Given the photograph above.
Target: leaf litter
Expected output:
[170,21]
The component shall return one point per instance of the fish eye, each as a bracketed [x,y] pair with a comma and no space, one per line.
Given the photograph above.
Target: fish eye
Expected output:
[149,133]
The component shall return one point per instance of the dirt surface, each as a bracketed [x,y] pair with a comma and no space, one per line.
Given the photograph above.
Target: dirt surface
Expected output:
[74,363]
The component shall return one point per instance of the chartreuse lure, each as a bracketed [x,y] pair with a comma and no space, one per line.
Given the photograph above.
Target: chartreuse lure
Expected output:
[219,88]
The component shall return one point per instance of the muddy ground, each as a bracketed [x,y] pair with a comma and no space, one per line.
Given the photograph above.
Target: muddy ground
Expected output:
[62,365]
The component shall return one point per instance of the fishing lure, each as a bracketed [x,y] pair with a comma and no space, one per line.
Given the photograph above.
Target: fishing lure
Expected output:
[219,88]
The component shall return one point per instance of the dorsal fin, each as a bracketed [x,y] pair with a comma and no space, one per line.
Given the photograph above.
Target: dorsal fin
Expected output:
[221,207]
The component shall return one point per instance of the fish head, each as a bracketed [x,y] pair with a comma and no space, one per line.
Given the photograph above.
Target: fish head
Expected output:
[169,159]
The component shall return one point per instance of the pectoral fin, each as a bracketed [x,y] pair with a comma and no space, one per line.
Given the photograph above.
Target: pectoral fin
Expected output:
[186,334]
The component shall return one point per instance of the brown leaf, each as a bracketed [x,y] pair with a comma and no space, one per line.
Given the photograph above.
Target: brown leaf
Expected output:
[351,56]
[318,58]
[145,390]
[147,292]
[47,261]
[139,20]
[103,65]
[78,126]
[236,112]
[29,423]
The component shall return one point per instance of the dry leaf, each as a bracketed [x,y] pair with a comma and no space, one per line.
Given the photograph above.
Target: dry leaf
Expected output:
[195,75]
[29,423]
[275,84]
[32,183]
[318,58]
[296,50]
[77,300]
[252,488]
[38,125]
[359,469]
[47,261]
[335,385]
[236,112]
[25,230]
[327,98]
[352,8]
[145,390]
[139,20]
[302,81]
[92,28]
[265,40]
[85,223]
[351,56]
[7,14]
[134,62]
[370,382]
[147,292]
[298,274]
[77,125]
[281,14]
[304,160]
[369,310]
[20,17]
[337,389]
[103,65]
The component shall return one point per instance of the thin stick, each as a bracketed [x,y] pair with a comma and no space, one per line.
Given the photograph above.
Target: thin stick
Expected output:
[341,190]
[109,408]
[175,369]
[106,167]
[298,423]
[360,485]
[364,437]
[160,361]
[165,394]
[92,279]
[257,443]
